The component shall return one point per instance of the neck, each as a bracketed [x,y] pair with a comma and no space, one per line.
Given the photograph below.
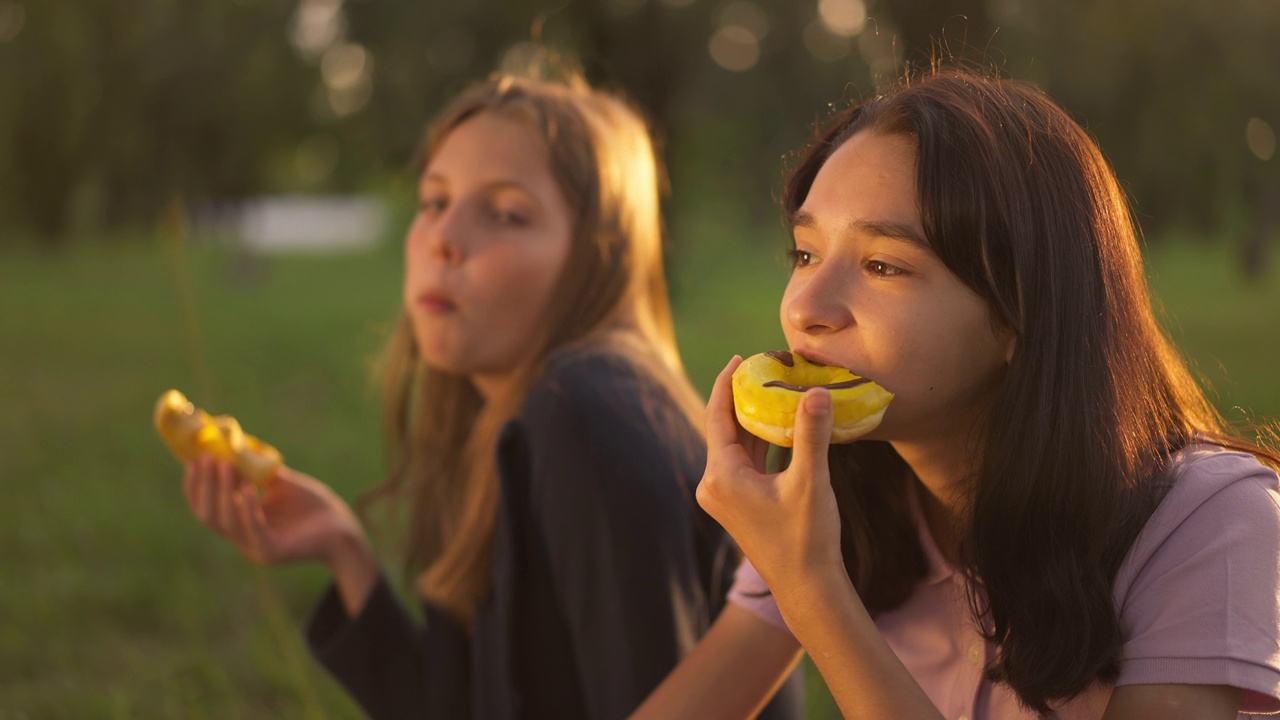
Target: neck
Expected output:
[940,471]
[493,387]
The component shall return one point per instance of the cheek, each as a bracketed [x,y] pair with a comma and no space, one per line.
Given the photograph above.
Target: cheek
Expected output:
[407,287]
[519,285]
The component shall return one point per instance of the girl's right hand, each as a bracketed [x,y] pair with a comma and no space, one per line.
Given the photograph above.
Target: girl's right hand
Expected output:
[295,518]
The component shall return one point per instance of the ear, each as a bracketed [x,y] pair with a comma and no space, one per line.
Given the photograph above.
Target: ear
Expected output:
[1009,346]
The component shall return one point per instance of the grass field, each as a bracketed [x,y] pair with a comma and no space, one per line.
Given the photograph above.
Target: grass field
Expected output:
[115,604]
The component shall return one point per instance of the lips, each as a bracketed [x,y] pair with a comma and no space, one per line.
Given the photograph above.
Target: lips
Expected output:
[818,358]
[815,358]
[435,302]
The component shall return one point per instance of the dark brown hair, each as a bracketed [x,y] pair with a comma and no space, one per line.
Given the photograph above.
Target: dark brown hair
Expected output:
[1018,201]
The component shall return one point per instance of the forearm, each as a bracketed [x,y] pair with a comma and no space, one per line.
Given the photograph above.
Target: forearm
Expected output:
[355,571]
[732,672]
[862,672]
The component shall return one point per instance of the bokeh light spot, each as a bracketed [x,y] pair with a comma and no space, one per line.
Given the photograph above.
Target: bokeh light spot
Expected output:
[734,48]
[745,14]
[1261,138]
[316,25]
[878,51]
[824,45]
[345,65]
[350,100]
[843,17]
[12,17]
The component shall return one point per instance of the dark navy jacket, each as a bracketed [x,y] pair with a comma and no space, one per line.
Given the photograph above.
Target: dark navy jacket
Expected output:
[605,574]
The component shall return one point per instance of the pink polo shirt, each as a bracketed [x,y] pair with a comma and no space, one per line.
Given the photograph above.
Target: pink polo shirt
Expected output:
[1198,596]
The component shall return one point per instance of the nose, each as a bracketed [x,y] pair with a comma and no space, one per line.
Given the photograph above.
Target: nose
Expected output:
[818,304]
[439,237]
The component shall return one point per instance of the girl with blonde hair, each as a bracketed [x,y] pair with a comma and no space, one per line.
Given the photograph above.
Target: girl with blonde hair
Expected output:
[542,433]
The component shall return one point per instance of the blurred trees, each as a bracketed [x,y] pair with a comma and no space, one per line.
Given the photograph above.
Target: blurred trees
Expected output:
[109,109]
[1170,89]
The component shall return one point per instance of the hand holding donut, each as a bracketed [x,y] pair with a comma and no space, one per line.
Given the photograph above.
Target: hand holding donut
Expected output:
[767,389]
[786,523]
[295,518]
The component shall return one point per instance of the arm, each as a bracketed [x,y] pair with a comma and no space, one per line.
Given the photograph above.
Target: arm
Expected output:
[296,518]
[862,672]
[393,667]
[1173,702]
[360,633]
[731,673]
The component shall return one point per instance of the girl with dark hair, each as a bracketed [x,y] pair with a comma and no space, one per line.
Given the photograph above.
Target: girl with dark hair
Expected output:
[543,436]
[1051,520]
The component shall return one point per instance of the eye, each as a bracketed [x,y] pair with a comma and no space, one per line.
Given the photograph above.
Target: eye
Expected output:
[799,258]
[433,205]
[880,268]
[509,217]
[507,212]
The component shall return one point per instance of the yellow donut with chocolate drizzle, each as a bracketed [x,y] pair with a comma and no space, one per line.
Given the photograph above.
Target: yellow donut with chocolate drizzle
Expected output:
[767,389]
[190,431]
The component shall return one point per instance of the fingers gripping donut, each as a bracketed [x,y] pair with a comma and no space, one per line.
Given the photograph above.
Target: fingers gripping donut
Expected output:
[767,389]
[189,431]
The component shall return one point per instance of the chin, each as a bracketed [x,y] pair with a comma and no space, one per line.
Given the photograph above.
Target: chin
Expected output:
[437,355]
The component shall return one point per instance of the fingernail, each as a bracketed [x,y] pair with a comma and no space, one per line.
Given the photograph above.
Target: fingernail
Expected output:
[818,402]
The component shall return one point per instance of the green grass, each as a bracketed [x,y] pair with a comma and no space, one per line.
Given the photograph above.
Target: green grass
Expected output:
[1228,328]
[116,604]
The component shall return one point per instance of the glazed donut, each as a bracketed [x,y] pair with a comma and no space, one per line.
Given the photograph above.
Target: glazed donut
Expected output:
[189,431]
[767,389]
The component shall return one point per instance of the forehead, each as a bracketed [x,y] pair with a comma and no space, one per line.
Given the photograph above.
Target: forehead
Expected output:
[871,175]
[489,147]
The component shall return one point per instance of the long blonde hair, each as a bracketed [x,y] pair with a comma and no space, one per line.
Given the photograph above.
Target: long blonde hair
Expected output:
[612,294]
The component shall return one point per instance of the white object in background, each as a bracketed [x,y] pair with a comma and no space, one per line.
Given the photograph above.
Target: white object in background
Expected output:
[326,223]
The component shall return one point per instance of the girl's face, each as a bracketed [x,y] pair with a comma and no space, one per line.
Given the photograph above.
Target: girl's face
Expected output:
[485,250]
[868,293]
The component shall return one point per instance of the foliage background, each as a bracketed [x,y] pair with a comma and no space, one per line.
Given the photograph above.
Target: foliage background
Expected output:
[116,604]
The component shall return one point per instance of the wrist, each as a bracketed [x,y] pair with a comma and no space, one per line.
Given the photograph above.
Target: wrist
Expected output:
[354,569]
[348,550]
[806,577]
[816,597]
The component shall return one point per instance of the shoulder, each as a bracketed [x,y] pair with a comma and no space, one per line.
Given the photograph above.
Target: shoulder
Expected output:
[1216,498]
[586,380]
[602,395]
[1199,592]
[594,417]
[1212,490]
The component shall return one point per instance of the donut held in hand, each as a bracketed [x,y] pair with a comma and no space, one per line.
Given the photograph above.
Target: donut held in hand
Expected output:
[767,389]
[190,431]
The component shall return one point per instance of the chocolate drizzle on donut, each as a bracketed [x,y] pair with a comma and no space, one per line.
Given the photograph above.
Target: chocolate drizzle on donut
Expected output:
[783,357]
[830,386]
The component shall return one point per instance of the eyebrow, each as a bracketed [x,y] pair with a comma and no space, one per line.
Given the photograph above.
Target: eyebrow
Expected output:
[878,228]
[492,185]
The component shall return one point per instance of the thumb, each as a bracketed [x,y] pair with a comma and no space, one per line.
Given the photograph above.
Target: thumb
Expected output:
[812,432]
